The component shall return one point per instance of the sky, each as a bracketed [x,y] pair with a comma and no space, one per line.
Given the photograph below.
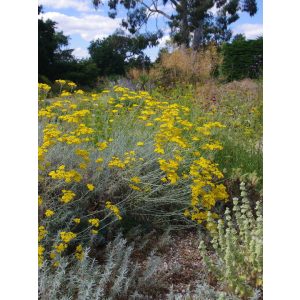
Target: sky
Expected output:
[82,23]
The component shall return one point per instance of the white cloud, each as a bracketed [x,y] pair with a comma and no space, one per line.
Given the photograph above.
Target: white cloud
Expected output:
[88,26]
[251,31]
[163,40]
[79,5]
[80,53]
[214,10]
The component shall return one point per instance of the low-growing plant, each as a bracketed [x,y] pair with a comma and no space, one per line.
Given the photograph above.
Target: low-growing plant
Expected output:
[118,276]
[238,245]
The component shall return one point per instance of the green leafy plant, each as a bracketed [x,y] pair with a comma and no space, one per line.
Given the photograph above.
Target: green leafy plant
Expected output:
[238,246]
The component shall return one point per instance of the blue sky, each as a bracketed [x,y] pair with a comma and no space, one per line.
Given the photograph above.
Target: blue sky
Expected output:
[82,23]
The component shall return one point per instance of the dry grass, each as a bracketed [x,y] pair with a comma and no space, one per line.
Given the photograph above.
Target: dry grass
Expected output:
[184,66]
[246,89]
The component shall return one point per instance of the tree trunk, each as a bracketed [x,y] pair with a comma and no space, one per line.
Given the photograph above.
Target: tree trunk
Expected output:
[198,36]
[185,27]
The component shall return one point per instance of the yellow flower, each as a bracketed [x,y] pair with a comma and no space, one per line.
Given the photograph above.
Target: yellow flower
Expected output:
[49,213]
[72,84]
[68,196]
[83,166]
[41,250]
[94,222]
[135,179]
[61,247]
[102,145]
[76,220]
[60,81]
[67,236]
[90,186]
[42,233]
[79,252]
[93,231]
[116,162]
[99,160]
[186,213]
[40,200]
[140,143]
[113,208]
[79,92]
[55,264]
[134,187]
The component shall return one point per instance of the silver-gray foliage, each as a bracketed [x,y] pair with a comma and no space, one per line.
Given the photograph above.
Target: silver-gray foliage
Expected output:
[119,276]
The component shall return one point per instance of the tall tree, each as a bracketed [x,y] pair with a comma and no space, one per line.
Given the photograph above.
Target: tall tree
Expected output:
[191,21]
[115,53]
[51,47]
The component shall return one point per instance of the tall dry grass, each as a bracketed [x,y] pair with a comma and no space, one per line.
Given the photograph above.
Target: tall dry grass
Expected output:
[182,66]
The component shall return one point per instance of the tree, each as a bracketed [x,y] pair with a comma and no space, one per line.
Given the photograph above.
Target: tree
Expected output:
[84,72]
[242,58]
[51,50]
[191,22]
[117,52]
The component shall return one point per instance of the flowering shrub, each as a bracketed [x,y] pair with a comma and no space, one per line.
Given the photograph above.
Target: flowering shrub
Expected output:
[105,155]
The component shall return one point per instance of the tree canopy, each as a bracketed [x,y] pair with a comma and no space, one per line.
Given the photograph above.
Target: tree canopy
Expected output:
[242,58]
[115,53]
[52,49]
[191,21]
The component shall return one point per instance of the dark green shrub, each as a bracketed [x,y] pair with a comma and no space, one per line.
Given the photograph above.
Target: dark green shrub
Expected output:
[242,59]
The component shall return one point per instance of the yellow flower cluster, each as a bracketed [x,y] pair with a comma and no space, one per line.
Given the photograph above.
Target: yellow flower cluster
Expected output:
[213,146]
[84,154]
[40,201]
[51,133]
[94,222]
[61,81]
[42,233]
[102,145]
[68,176]
[169,167]
[49,213]
[113,208]
[79,252]
[61,247]
[41,250]
[44,87]
[67,236]
[76,116]
[118,163]
[76,220]
[136,179]
[91,121]
[65,94]
[67,196]
[204,192]
[90,187]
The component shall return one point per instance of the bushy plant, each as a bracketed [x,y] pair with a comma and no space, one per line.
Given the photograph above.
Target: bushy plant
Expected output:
[118,154]
[185,66]
[242,59]
[118,276]
[237,261]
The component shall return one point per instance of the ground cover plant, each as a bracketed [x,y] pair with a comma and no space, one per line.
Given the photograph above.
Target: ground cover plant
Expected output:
[115,160]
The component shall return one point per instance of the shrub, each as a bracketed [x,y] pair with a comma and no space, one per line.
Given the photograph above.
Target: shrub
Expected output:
[242,59]
[115,155]
[237,243]
[118,276]
[185,66]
